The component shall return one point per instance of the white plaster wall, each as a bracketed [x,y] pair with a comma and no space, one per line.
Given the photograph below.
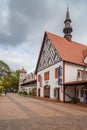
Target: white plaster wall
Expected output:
[53,82]
[20,89]
[71,72]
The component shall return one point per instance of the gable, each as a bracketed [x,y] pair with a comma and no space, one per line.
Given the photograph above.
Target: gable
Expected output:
[48,55]
[69,51]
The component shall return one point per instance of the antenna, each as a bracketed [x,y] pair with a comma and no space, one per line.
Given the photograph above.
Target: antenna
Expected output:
[68,4]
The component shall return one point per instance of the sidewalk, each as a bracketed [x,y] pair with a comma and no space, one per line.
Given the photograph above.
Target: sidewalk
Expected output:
[81,105]
[56,101]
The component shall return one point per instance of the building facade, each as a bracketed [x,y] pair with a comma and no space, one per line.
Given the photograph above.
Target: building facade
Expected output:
[27,82]
[62,66]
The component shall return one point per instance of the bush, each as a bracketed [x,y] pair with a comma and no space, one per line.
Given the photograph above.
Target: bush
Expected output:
[75,100]
[20,92]
[23,93]
[32,92]
[0,90]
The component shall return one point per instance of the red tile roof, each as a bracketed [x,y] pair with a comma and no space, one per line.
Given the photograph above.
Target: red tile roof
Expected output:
[23,70]
[69,51]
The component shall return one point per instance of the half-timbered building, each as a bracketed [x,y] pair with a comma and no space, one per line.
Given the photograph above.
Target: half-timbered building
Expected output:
[62,66]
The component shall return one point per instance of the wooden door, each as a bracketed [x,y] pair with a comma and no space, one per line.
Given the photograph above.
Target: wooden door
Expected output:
[58,93]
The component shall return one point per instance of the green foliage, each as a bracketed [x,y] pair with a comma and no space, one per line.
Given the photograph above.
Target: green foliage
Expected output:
[30,93]
[4,70]
[9,79]
[75,100]
[23,93]
[33,93]
[20,92]
[0,90]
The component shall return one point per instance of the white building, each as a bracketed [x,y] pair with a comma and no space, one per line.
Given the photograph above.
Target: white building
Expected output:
[62,66]
[27,82]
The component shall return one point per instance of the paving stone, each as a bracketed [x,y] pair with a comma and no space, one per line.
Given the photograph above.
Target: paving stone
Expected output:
[21,113]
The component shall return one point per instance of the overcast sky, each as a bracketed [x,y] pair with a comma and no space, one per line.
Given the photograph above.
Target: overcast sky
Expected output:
[23,23]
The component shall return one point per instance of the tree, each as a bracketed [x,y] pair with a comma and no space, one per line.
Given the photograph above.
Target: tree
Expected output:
[4,70]
[8,78]
[12,82]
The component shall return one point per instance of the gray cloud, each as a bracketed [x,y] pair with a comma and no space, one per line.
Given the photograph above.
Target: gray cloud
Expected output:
[25,17]
[28,17]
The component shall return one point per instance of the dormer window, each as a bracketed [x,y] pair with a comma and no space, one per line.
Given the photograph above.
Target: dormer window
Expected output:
[85,60]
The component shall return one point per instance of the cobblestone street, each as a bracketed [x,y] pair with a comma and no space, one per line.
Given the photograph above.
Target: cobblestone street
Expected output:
[20,113]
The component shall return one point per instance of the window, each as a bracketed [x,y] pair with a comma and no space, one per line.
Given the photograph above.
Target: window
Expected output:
[82,92]
[46,75]
[82,75]
[85,75]
[79,75]
[56,73]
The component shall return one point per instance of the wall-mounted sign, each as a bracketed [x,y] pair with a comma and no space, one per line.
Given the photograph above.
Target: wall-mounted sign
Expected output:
[46,82]
[60,70]
[59,81]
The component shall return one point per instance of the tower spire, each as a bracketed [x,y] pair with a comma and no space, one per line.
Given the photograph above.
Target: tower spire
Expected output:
[68,28]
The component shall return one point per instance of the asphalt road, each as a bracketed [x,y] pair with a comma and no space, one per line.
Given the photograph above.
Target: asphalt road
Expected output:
[20,113]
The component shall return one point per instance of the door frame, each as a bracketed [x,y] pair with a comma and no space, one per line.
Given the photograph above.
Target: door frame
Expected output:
[38,92]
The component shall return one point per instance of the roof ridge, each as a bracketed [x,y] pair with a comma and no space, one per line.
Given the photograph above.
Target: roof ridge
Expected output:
[65,39]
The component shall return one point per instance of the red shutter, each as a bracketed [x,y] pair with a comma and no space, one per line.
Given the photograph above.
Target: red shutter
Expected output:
[56,73]
[46,75]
